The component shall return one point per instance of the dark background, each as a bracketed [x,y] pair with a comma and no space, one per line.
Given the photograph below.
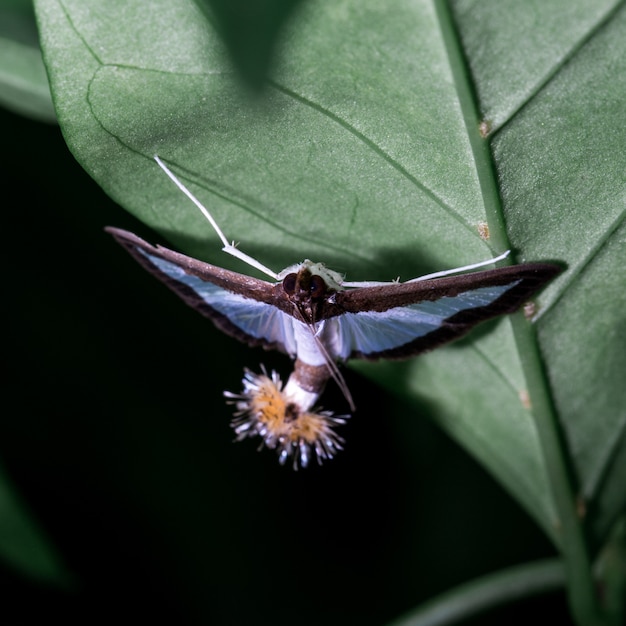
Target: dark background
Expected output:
[116,437]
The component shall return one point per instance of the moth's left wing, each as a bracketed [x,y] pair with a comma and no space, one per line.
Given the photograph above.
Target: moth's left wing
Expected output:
[244,307]
[403,319]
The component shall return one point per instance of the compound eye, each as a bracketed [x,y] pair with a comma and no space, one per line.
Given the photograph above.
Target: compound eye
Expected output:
[289,284]
[318,286]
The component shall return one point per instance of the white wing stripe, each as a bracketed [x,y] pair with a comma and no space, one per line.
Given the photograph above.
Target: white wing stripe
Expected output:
[369,332]
[257,319]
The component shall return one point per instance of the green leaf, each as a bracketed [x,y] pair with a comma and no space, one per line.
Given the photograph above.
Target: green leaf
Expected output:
[365,153]
[487,592]
[23,544]
[250,31]
[554,114]
[23,81]
[565,141]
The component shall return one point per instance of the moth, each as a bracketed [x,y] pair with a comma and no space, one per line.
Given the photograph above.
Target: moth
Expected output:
[316,317]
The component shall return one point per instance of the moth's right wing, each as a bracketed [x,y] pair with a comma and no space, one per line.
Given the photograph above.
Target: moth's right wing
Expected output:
[399,320]
[244,307]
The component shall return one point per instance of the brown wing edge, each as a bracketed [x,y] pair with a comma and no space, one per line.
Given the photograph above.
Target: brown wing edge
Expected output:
[382,298]
[210,273]
[533,277]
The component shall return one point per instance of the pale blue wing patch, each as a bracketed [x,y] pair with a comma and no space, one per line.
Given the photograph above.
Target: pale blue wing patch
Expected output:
[369,332]
[257,319]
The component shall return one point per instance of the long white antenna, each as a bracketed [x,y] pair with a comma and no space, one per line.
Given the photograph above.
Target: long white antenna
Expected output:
[465,268]
[229,248]
[456,270]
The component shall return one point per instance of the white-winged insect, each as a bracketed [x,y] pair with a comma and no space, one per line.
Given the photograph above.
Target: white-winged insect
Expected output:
[312,314]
